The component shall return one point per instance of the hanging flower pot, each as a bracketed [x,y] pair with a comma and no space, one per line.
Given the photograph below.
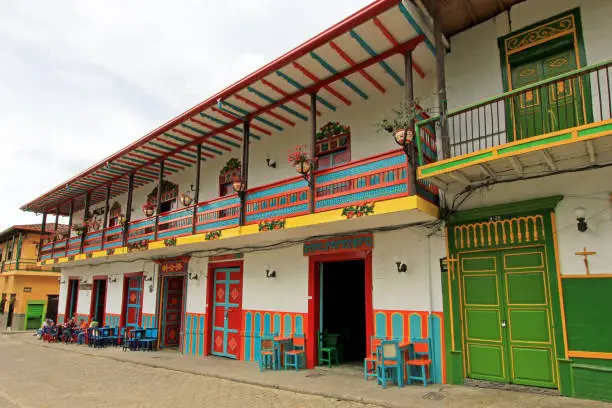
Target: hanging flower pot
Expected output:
[59,236]
[403,137]
[148,212]
[300,159]
[303,167]
[148,208]
[238,185]
[186,199]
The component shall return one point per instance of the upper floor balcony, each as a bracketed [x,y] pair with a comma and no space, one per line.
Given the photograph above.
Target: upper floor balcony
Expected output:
[560,124]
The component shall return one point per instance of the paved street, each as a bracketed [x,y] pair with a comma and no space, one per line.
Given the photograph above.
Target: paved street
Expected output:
[32,376]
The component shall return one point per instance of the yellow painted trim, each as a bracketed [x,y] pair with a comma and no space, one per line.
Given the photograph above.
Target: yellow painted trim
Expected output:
[559,285]
[600,275]
[495,154]
[20,272]
[590,354]
[381,207]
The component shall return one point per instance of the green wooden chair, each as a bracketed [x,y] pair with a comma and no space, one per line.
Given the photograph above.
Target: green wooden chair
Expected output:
[328,349]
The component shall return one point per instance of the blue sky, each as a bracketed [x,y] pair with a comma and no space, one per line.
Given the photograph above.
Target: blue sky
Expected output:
[81,79]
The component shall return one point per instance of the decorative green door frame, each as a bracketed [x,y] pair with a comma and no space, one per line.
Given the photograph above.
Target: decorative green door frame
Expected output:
[501,227]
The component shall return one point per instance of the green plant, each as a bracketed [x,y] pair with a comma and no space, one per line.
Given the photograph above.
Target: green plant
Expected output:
[212,235]
[332,129]
[404,115]
[232,164]
[166,186]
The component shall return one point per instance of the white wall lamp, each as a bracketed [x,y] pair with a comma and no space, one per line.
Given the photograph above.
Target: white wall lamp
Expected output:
[112,279]
[270,273]
[148,278]
[580,214]
[270,162]
[193,276]
[84,281]
[401,267]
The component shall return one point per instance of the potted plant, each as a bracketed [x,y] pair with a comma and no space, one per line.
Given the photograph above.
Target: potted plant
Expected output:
[400,126]
[79,229]
[332,129]
[186,199]
[300,159]
[232,164]
[148,208]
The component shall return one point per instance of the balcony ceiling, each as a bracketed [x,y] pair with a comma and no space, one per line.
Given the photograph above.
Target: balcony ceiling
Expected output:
[459,15]
[355,59]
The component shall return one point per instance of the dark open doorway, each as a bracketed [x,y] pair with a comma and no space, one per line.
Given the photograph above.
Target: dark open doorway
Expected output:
[98,300]
[52,303]
[343,306]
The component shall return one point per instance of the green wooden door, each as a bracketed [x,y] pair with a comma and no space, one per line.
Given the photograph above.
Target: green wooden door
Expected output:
[34,316]
[507,317]
[546,109]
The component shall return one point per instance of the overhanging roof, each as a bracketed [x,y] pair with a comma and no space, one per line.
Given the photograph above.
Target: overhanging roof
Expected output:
[356,58]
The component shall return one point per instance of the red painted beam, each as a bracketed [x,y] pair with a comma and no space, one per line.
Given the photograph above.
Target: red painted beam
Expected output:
[315,79]
[210,142]
[257,106]
[236,123]
[164,152]
[280,91]
[394,42]
[174,144]
[363,72]
[207,126]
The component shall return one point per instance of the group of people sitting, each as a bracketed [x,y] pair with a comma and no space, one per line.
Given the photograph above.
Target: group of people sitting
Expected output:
[67,332]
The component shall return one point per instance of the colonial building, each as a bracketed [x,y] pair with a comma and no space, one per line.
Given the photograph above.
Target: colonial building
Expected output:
[216,241]
[29,291]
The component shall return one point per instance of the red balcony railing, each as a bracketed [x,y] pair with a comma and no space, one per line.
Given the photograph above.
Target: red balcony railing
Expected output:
[383,176]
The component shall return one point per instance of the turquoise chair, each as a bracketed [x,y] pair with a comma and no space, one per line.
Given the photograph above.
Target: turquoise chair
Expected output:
[390,366]
[328,349]
[369,362]
[293,358]
[267,354]
[419,360]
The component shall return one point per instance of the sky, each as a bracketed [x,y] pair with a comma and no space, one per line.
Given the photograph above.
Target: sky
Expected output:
[81,79]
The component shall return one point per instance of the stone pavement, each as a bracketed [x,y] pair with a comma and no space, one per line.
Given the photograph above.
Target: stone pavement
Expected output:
[211,381]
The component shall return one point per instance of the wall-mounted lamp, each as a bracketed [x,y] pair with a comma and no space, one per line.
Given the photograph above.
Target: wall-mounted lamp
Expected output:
[270,273]
[193,276]
[148,278]
[401,266]
[84,281]
[580,214]
[151,288]
[270,162]
[112,279]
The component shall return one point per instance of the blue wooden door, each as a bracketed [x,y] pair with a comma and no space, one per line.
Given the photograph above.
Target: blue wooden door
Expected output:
[227,312]
[133,301]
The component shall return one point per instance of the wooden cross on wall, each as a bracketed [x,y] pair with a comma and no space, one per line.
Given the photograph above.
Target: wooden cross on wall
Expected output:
[586,255]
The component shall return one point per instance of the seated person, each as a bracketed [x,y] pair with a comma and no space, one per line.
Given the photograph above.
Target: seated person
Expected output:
[82,332]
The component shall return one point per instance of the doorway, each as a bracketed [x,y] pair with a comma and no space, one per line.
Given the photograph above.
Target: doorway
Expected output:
[52,307]
[172,308]
[227,311]
[131,313]
[507,317]
[72,299]
[98,300]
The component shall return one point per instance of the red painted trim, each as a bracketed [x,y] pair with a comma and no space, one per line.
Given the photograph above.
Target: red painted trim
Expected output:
[354,20]
[351,61]
[207,126]
[314,298]
[257,106]
[314,78]
[283,93]
[210,142]
[237,122]
[394,42]
[210,289]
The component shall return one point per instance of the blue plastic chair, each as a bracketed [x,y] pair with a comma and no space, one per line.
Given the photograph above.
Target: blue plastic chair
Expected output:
[390,366]
[293,357]
[150,340]
[419,361]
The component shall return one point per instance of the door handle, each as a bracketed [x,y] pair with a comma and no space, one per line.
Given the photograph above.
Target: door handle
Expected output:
[503,324]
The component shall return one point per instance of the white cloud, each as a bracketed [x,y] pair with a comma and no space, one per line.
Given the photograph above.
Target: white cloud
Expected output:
[81,79]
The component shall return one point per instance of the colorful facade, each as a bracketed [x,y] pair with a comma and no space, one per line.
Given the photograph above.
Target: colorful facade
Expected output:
[505,270]
[30,292]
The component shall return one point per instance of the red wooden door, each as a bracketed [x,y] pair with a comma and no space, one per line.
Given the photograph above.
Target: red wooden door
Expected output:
[173,310]
[227,312]
[133,305]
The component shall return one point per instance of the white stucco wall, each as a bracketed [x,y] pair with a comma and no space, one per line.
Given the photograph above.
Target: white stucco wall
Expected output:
[196,288]
[473,70]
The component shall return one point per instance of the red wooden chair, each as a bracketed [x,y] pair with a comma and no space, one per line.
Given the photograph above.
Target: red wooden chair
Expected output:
[369,363]
[293,358]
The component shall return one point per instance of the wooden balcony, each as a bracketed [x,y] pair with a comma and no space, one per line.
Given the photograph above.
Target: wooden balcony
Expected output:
[553,126]
[377,179]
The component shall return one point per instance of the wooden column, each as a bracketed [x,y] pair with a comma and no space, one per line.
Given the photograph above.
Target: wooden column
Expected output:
[313,149]
[57,213]
[86,211]
[104,224]
[444,141]
[18,255]
[70,214]
[160,180]
[128,210]
[245,171]
[43,225]
[410,102]
[196,195]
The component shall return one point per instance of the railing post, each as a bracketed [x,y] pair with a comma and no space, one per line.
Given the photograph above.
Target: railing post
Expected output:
[128,211]
[43,227]
[245,171]
[196,195]
[160,181]
[108,192]
[70,214]
[313,149]
[409,150]
[441,77]
[85,218]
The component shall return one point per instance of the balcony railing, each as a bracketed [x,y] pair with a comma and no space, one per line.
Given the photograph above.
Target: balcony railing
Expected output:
[576,98]
[383,176]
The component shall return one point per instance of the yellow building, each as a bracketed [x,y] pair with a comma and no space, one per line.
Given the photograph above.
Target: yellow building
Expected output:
[29,293]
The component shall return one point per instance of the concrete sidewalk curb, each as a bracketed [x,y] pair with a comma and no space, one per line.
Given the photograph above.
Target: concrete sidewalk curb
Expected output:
[378,403]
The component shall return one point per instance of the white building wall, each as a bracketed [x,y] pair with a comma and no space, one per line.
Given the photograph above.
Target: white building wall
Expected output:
[197,288]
